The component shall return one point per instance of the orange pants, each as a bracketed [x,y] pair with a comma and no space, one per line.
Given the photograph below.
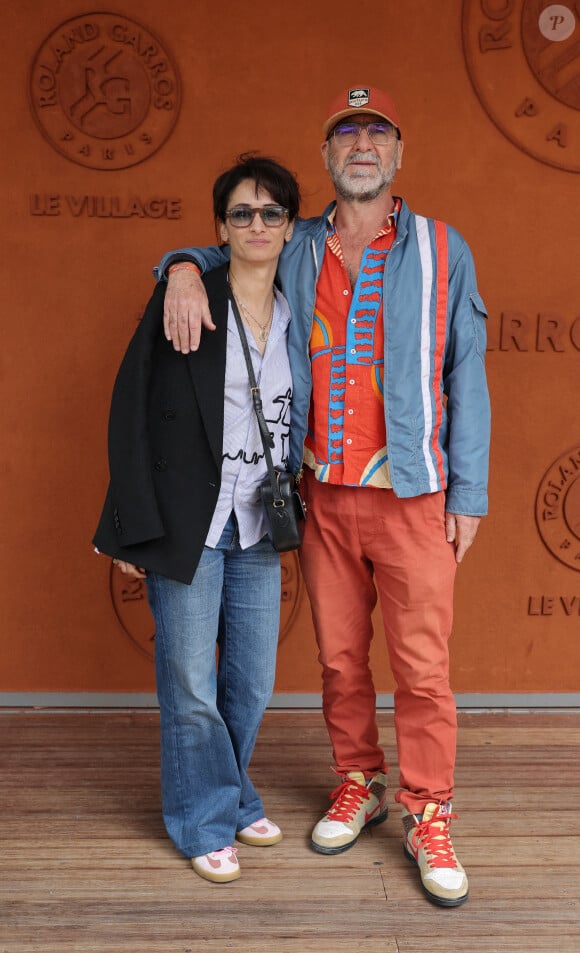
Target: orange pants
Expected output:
[357,541]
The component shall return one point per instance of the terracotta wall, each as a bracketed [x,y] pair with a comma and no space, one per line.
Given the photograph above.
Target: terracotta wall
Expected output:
[100,177]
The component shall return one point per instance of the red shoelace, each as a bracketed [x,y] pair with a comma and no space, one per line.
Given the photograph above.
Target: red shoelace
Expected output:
[348,797]
[435,840]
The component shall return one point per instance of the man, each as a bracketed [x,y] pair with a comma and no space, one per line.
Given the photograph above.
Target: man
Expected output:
[391,419]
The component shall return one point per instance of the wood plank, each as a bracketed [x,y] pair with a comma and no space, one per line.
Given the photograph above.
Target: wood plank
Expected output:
[86,867]
[498,943]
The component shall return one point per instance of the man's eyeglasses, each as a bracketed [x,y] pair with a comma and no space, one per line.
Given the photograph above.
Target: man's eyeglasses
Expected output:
[380,133]
[271,215]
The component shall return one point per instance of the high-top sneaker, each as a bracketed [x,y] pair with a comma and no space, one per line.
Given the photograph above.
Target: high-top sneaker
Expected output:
[427,842]
[358,803]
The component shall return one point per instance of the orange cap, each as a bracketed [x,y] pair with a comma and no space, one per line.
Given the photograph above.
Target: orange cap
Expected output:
[361,99]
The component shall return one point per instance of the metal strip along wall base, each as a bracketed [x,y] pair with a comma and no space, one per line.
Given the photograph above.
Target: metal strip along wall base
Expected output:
[288,700]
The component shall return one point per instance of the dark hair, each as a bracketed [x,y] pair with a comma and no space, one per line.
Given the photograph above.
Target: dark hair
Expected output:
[267,174]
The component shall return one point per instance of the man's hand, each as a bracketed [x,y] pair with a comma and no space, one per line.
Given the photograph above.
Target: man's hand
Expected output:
[461,530]
[186,310]
[129,569]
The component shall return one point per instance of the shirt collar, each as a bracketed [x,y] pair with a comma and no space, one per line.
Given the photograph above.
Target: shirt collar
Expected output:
[391,222]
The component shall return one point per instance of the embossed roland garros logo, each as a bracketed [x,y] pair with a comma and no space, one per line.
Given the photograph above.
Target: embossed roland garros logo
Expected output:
[104,91]
[523,58]
[558,508]
[129,598]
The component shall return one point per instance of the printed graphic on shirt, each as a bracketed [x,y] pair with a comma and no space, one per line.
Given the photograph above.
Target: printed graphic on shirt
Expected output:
[279,427]
[348,444]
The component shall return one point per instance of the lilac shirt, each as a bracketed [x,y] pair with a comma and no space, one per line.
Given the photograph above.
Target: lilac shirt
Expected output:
[243,465]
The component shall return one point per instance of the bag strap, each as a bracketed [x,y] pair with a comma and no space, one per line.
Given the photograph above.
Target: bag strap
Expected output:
[265,434]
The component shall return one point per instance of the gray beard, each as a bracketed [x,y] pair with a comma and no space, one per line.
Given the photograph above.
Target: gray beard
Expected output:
[354,189]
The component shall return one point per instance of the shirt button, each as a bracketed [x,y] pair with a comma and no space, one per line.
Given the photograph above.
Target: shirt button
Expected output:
[351,411]
[349,440]
[345,292]
[351,381]
[353,320]
[353,350]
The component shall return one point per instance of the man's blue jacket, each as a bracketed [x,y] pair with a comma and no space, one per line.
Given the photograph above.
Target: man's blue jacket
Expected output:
[437,410]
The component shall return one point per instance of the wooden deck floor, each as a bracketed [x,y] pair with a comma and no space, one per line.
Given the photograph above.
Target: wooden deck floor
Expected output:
[85,864]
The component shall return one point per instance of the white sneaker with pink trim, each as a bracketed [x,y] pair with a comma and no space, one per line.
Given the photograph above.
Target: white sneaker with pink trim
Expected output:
[219,866]
[262,833]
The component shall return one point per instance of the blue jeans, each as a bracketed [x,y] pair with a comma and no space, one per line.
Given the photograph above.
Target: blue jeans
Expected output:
[210,715]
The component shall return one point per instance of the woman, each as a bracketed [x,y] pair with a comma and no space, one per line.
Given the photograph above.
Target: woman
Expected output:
[183,511]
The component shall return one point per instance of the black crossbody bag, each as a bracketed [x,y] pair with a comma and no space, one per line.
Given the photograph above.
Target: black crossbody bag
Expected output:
[284,507]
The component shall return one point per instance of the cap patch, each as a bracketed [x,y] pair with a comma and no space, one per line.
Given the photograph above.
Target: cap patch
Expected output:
[358,97]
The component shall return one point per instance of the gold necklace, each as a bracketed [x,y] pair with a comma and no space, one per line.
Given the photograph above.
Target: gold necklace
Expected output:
[264,328]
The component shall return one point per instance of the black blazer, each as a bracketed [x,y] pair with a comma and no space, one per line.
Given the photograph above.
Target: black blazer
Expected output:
[165,443]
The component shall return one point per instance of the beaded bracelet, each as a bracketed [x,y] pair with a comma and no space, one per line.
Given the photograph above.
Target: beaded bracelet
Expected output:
[183,266]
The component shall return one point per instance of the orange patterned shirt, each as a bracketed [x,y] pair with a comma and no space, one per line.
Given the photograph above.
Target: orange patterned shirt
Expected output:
[346,441]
